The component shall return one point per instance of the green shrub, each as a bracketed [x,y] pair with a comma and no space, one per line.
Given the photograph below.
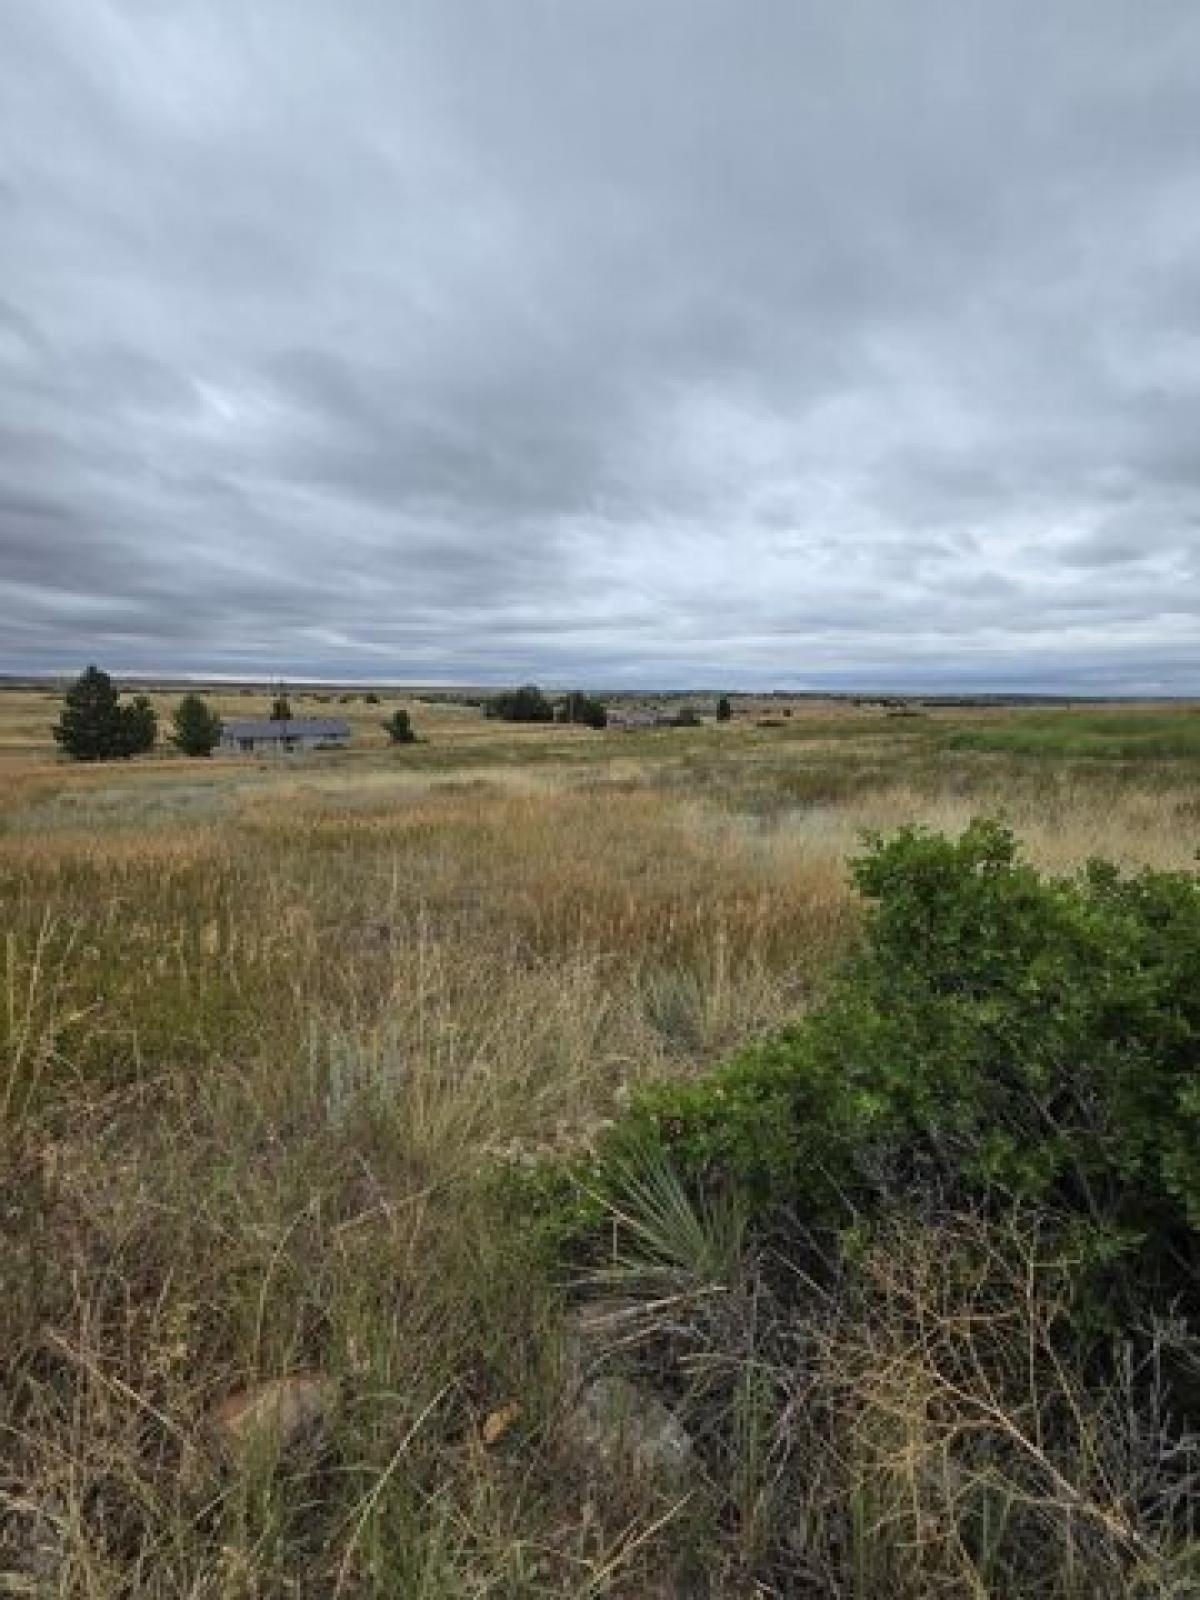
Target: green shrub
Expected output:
[399,728]
[998,1034]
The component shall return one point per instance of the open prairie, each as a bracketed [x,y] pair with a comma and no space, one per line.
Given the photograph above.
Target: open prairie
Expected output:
[268,1026]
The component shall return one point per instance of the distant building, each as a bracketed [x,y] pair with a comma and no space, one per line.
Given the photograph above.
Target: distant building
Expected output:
[633,721]
[262,736]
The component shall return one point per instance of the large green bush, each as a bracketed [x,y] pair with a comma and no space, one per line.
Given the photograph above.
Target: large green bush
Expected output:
[999,1034]
[920,1273]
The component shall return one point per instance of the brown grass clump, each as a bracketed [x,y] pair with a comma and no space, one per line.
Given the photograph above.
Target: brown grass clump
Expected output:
[966,1453]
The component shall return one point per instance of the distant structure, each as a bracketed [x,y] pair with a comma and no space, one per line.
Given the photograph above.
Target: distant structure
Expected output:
[265,736]
[622,721]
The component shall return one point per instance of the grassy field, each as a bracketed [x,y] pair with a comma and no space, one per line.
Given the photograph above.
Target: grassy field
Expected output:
[267,1025]
[1142,735]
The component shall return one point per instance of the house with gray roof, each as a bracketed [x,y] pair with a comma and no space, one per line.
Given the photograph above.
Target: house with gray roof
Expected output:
[265,736]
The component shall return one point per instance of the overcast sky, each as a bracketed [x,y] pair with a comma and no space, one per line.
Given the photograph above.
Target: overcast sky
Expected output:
[721,342]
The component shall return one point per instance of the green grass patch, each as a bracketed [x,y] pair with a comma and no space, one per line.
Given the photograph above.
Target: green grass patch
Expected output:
[1084,735]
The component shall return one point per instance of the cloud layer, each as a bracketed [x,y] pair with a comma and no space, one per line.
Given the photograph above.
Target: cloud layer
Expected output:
[689,342]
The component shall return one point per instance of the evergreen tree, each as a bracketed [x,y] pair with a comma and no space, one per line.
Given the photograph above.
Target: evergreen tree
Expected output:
[95,726]
[281,710]
[724,709]
[197,729]
[399,728]
[139,727]
[526,704]
[90,726]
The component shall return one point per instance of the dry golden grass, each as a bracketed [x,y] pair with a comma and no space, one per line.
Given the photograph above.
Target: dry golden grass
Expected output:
[266,1024]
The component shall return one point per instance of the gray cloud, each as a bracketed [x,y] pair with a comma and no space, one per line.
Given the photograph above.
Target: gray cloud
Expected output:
[694,342]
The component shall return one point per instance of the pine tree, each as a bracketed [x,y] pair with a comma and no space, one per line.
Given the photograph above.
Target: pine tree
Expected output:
[139,727]
[197,729]
[281,710]
[92,726]
[724,709]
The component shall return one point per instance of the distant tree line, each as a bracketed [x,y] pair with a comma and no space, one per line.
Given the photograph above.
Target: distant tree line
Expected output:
[96,725]
[529,704]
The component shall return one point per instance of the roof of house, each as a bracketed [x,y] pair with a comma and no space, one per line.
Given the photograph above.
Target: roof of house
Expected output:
[293,728]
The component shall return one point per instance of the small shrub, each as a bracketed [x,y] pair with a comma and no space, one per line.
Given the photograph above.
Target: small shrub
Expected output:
[399,728]
[997,1034]
[919,1271]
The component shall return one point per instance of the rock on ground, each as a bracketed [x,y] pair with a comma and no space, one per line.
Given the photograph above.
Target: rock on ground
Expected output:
[280,1412]
[618,1424]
